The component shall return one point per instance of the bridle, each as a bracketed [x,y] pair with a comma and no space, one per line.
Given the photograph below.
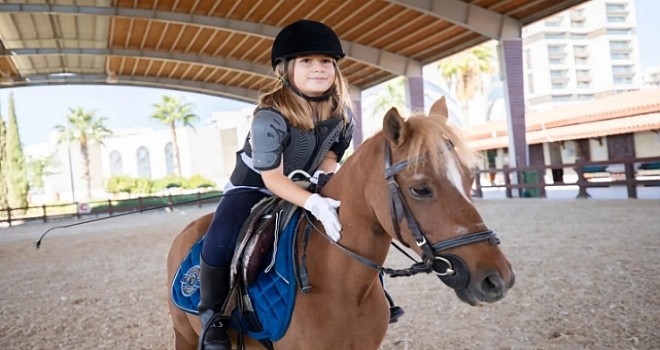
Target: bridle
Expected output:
[450,268]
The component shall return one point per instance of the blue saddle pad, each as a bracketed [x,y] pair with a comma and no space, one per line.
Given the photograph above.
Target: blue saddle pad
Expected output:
[273,294]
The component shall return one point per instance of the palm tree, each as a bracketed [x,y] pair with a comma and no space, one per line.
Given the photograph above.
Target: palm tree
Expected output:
[391,96]
[463,72]
[38,168]
[84,128]
[172,111]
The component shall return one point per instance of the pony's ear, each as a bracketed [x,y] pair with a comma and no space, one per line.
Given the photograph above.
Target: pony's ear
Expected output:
[394,127]
[439,110]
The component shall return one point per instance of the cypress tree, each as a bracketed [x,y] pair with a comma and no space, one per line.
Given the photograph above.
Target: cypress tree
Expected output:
[3,164]
[17,180]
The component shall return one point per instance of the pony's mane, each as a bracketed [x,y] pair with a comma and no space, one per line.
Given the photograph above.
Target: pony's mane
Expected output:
[430,140]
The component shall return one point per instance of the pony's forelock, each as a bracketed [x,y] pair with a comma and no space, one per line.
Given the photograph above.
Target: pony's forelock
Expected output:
[428,140]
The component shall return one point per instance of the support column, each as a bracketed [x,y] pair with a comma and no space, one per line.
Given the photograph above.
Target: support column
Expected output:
[356,99]
[415,89]
[514,92]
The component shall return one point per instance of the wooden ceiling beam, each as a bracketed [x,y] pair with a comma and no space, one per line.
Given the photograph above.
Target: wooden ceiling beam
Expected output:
[388,61]
[243,66]
[475,18]
[233,92]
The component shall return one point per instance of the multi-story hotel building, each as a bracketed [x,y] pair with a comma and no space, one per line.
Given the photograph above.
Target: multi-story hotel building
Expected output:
[587,52]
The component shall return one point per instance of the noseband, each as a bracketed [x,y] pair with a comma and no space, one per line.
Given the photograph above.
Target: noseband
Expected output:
[450,268]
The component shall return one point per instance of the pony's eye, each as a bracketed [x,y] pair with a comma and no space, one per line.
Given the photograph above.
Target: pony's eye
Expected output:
[422,191]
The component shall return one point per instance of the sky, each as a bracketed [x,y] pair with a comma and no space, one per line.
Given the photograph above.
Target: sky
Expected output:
[40,108]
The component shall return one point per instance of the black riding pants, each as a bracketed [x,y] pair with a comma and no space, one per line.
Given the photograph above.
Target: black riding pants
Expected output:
[229,216]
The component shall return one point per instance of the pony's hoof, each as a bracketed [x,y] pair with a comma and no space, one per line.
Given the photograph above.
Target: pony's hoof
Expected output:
[395,313]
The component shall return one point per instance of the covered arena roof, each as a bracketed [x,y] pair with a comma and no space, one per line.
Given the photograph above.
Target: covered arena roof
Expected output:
[223,47]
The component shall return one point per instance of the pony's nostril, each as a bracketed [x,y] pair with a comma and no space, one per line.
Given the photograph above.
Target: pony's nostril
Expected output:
[492,285]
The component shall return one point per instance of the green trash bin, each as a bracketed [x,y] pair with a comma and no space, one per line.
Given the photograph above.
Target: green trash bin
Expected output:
[530,177]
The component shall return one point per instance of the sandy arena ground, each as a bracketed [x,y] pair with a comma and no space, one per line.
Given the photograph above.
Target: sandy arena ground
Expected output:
[588,277]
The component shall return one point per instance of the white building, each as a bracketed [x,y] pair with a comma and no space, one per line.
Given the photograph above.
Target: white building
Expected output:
[584,53]
[208,150]
[652,75]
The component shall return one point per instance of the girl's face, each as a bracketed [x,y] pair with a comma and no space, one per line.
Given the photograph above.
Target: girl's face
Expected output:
[314,74]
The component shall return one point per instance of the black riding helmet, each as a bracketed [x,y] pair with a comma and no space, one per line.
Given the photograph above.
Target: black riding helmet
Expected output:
[305,37]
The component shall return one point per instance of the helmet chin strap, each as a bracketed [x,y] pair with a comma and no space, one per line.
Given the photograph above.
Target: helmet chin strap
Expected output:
[295,90]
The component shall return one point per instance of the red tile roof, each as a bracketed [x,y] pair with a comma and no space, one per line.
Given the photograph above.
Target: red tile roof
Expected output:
[618,114]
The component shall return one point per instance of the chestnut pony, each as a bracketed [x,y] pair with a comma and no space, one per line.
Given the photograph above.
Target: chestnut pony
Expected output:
[410,182]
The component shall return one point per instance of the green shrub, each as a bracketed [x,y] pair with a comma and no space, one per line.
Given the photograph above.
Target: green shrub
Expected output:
[167,182]
[144,186]
[198,181]
[118,184]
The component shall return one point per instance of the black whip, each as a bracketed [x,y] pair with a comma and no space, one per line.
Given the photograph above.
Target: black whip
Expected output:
[37,244]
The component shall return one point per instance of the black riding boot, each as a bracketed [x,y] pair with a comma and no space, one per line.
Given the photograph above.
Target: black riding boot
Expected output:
[395,311]
[214,288]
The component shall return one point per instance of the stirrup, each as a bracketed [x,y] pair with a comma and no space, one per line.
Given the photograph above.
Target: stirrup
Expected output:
[221,323]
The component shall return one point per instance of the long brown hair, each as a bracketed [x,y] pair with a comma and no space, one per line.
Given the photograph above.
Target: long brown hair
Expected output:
[297,110]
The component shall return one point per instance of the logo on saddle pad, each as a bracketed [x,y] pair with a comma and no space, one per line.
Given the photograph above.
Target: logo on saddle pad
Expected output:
[190,281]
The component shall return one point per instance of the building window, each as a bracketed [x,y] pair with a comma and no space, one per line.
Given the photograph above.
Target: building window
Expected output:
[583,85]
[169,159]
[555,48]
[619,44]
[555,35]
[578,36]
[615,7]
[580,50]
[616,19]
[622,80]
[116,166]
[581,60]
[585,96]
[621,69]
[561,98]
[557,73]
[143,162]
[556,61]
[229,145]
[582,75]
[619,31]
[577,24]
[620,56]
[530,83]
[553,22]
[528,59]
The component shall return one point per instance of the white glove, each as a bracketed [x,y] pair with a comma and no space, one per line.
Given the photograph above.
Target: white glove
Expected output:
[325,210]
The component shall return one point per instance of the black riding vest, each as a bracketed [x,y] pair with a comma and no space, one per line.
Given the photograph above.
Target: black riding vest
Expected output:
[300,150]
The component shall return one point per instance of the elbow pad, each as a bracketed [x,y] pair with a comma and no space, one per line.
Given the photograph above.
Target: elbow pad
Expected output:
[268,136]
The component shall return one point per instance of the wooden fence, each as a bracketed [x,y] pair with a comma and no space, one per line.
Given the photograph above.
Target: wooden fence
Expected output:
[530,181]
